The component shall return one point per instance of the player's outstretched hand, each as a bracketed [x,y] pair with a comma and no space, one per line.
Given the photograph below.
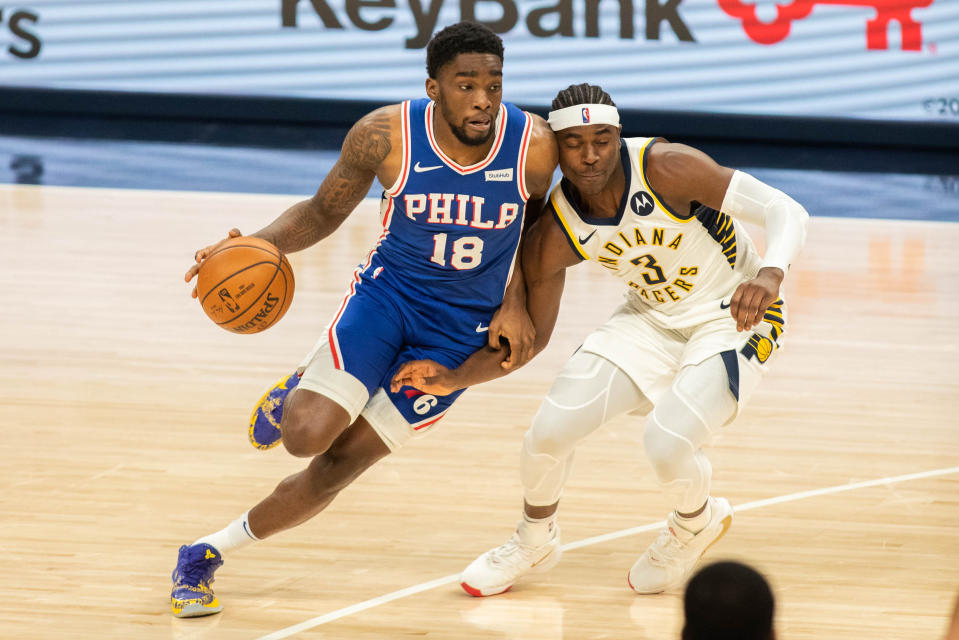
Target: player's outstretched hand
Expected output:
[753,297]
[203,253]
[426,375]
[513,324]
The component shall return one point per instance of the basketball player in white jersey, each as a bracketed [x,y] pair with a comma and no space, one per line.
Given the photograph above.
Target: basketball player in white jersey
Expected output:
[701,323]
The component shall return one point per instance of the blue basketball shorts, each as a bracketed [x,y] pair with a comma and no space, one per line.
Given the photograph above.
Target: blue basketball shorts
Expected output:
[376,328]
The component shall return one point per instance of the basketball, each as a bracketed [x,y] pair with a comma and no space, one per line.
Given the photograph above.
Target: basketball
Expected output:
[245,285]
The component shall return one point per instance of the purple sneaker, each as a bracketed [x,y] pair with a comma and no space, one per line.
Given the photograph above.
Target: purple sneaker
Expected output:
[192,595]
[265,420]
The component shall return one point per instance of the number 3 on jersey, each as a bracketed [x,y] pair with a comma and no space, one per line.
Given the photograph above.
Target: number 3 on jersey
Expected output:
[466,252]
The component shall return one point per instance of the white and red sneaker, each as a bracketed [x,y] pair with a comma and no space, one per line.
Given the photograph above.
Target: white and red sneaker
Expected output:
[496,570]
[670,560]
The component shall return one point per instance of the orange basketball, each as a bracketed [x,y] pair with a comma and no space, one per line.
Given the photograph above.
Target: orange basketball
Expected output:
[246,285]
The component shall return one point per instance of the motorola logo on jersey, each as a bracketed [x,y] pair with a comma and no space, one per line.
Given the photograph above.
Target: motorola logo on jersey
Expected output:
[877,29]
[641,203]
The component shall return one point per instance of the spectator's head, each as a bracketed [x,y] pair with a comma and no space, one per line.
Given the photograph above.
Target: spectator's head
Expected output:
[728,601]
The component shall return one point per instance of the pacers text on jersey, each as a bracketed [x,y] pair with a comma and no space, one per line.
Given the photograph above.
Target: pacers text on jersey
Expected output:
[656,287]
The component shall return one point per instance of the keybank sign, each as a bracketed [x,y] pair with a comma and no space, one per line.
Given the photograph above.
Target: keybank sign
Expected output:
[879,59]
[542,22]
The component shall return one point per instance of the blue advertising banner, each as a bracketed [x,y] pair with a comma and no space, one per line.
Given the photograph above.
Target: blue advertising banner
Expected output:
[874,59]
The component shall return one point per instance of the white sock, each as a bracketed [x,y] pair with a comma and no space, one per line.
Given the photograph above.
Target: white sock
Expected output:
[536,531]
[696,523]
[235,535]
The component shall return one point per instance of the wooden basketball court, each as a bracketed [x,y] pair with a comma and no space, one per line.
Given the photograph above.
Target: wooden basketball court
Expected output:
[124,415]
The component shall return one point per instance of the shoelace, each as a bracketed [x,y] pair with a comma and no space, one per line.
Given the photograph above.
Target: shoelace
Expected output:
[512,552]
[196,573]
[666,543]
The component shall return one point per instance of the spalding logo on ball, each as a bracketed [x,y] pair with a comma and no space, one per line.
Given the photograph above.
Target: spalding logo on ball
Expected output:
[245,285]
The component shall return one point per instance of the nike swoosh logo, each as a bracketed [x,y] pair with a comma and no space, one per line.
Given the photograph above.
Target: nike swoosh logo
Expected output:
[728,520]
[420,169]
[586,239]
[480,328]
[724,305]
[548,554]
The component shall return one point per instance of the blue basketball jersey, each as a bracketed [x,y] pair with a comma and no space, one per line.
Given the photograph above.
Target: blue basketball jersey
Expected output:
[451,231]
[432,283]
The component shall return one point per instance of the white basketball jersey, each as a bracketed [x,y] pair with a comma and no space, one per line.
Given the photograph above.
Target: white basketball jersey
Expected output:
[679,265]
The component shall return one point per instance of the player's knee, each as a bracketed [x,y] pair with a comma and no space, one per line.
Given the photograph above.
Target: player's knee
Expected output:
[546,443]
[533,459]
[309,427]
[547,437]
[668,452]
[298,442]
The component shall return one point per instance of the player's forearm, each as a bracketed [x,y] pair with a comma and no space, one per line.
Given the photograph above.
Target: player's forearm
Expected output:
[299,227]
[484,365]
[309,221]
[542,301]
[516,291]
[784,219]
[487,363]
[515,295]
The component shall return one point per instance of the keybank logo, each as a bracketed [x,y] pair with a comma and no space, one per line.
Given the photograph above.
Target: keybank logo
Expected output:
[877,29]
[560,19]
[543,22]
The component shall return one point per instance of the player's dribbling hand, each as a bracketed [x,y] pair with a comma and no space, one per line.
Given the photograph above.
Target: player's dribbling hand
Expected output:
[514,325]
[426,375]
[203,253]
[753,297]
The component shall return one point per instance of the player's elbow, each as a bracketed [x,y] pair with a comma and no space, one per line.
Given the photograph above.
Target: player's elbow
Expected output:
[796,217]
[803,219]
[542,339]
[795,211]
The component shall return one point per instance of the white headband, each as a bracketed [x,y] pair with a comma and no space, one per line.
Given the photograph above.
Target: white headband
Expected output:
[581,114]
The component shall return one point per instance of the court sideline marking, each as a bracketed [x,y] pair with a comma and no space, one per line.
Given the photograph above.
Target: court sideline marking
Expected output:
[606,537]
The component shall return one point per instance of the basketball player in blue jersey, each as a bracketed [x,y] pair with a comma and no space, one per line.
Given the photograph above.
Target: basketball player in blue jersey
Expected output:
[458,169]
[702,322]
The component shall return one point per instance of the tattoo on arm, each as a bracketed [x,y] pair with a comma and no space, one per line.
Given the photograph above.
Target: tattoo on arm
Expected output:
[309,221]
